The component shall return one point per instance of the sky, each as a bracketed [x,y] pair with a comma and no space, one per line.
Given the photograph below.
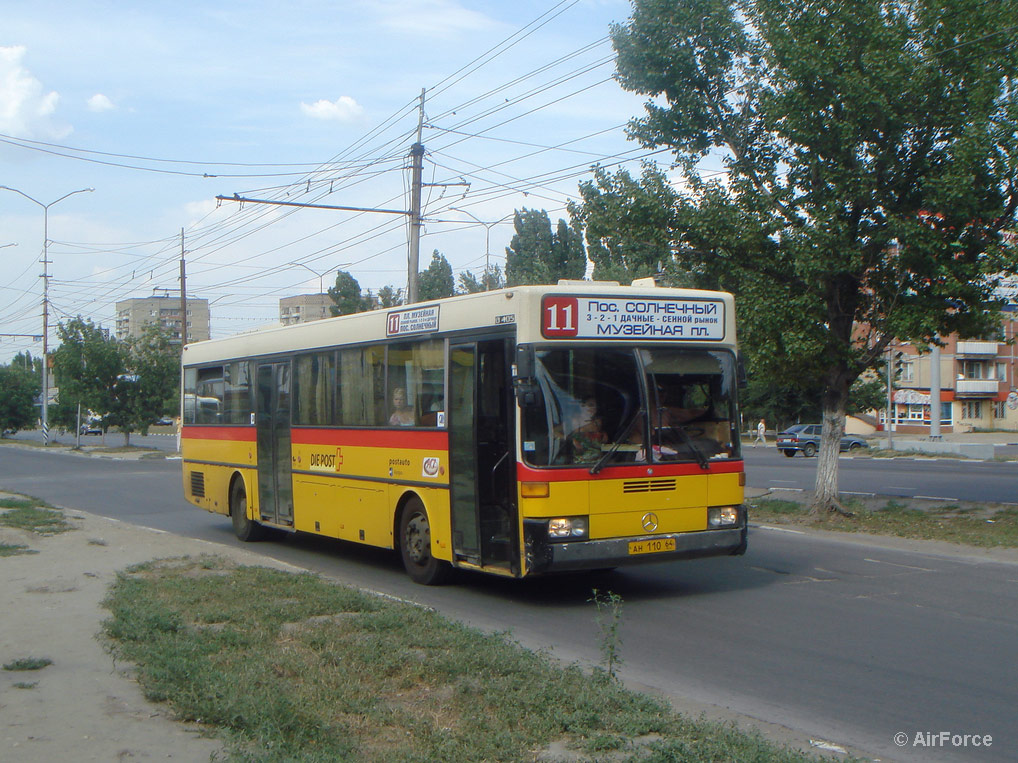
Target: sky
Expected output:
[162,107]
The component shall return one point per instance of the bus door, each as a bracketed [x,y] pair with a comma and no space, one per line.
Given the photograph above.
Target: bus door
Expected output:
[481,461]
[272,425]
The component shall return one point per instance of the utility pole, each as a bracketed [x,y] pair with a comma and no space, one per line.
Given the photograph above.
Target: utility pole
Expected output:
[414,213]
[890,397]
[416,170]
[935,390]
[183,295]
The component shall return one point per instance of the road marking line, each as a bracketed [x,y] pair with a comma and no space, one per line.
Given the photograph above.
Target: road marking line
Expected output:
[779,529]
[934,498]
[790,489]
[905,566]
[849,492]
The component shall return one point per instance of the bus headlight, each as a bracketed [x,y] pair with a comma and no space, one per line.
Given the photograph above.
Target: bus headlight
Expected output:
[567,528]
[722,516]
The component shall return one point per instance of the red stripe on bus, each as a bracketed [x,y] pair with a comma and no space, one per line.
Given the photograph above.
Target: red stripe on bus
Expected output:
[526,473]
[421,439]
[244,434]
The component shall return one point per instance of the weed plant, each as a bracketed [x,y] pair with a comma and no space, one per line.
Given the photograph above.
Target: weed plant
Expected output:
[291,667]
[32,515]
[28,663]
[15,549]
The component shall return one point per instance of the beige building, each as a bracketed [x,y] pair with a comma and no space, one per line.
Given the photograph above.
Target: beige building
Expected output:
[134,314]
[304,308]
[978,386]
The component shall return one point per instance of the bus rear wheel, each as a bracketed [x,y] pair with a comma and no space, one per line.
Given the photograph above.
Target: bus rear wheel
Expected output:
[415,546]
[244,528]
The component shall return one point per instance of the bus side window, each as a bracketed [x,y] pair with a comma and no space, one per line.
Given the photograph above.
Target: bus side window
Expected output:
[209,408]
[360,390]
[190,394]
[237,393]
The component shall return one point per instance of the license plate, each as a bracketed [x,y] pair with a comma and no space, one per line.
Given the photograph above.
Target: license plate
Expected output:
[653,546]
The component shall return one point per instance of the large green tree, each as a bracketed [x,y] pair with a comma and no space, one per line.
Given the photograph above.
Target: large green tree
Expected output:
[630,224]
[437,281]
[149,384]
[491,278]
[870,150]
[87,366]
[18,389]
[537,254]
[389,296]
[347,297]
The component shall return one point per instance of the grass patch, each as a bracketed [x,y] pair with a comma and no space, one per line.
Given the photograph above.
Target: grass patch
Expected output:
[954,523]
[32,515]
[25,684]
[28,663]
[292,667]
[15,549]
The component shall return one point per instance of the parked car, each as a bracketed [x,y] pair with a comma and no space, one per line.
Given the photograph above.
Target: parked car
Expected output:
[806,437]
[91,427]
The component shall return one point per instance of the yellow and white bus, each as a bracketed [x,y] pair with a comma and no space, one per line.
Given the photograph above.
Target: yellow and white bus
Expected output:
[522,431]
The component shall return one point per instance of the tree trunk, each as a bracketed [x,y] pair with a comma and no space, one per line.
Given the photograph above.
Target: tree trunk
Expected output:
[826,498]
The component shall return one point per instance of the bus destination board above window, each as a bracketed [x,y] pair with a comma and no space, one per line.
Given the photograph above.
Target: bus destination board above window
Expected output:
[416,320]
[632,318]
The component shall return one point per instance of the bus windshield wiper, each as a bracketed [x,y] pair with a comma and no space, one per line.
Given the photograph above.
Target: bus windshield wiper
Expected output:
[617,443]
[698,454]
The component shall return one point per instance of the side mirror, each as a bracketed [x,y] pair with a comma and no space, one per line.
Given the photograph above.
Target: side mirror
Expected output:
[740,371]
[524,368]
[527,390]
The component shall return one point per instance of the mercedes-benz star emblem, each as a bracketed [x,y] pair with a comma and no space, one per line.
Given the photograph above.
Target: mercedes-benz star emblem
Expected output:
[649,521]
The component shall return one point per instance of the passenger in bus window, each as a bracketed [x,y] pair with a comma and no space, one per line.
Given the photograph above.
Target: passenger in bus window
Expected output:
[402,414]
[588,437]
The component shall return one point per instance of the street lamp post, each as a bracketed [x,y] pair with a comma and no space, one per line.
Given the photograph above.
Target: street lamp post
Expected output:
[487,239]
[45,299]
[321,276]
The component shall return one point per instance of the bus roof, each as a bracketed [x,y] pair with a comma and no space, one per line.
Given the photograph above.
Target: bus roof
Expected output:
[518,307]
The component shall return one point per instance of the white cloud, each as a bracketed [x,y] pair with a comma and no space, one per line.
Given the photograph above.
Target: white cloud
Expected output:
[343,109]
[100,102]
[25,109]
[445,19]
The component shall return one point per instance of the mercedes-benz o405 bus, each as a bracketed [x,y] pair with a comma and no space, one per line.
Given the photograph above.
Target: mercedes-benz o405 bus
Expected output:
[529,430]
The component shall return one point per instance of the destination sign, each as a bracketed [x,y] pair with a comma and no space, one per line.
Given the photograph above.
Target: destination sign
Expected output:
[416,320]
[632,318]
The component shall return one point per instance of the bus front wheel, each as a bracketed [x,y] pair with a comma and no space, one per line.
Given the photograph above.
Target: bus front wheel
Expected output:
[415,546]
[244,528]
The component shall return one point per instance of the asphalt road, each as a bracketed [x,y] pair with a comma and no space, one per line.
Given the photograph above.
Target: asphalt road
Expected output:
[839,640]
[944,478]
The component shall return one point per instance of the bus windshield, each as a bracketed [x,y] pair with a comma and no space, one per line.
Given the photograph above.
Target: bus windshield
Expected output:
[622,405]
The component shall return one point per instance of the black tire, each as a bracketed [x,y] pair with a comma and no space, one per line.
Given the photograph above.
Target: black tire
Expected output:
[415,546]
[789,453]
[244,528]
[854,445]
[809,450]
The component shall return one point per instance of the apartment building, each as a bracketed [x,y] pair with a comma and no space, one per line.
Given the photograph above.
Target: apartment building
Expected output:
[134,314]
[304,308]
[978,387]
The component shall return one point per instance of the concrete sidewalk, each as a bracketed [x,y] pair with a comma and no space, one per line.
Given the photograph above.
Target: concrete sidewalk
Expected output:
[82,706]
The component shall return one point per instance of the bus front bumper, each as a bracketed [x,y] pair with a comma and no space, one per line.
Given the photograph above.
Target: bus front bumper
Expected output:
[543,556]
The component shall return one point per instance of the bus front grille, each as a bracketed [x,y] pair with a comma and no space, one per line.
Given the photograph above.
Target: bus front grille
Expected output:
[648,486]
[198,484]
